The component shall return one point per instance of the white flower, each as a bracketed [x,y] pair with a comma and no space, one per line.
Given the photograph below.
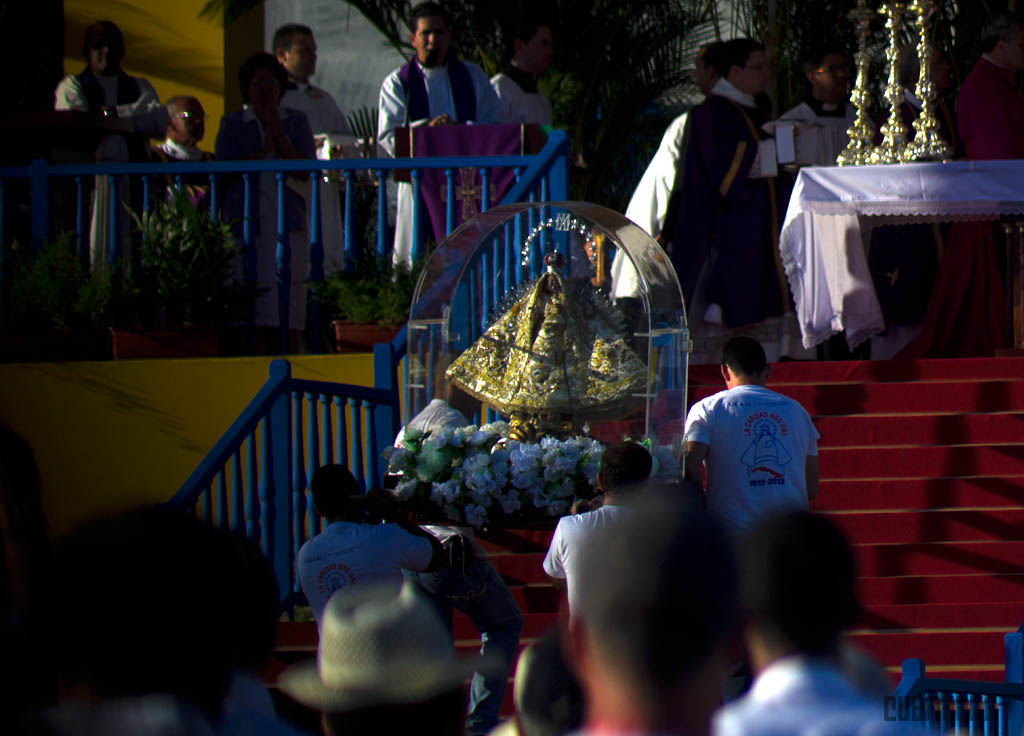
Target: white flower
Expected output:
[496,429]
[476,516]
[405,490]
[481,496]
[477,463]
[437,493]
[479,438]
[510,502]
[400,458]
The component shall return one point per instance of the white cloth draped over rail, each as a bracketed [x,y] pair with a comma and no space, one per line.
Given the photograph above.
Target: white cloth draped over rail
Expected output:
[828,225]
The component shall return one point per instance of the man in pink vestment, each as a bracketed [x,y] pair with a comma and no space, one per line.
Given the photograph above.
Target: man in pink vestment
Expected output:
[967,314]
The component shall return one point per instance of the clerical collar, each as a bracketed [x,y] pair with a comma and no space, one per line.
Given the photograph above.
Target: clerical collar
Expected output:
[827,110]
[296,84]
[526,81]
[724,88]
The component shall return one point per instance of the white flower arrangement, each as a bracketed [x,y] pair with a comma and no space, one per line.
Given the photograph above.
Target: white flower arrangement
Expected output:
[472,474]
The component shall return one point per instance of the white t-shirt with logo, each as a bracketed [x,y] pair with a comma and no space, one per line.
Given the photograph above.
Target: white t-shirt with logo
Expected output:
[347,554]
[759,442]
[568,543]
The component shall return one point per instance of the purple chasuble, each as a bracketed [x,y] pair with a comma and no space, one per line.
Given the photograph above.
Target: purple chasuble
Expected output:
[418,105]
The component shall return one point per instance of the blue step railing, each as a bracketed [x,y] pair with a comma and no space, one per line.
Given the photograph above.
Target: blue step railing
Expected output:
[540,177]
[964,706]
[255,479]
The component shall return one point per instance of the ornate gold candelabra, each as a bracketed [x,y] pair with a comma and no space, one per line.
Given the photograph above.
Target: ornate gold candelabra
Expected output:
[862,132]
[928,143]
[894,132]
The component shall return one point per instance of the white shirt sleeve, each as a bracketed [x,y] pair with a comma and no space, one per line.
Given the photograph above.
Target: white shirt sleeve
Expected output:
[649,204]
[697,425]
[488,107]
[412,552]
[69,95]
[554,564]
[392,110]
[148,116]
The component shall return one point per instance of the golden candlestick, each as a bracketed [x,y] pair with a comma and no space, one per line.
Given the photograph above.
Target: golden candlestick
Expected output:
[862,132]
[928,143]
[894,132]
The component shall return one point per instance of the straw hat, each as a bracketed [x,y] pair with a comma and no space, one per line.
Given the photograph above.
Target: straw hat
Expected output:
[378,649]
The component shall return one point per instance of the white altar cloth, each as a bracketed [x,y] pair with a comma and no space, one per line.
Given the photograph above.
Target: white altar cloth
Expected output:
[832,210]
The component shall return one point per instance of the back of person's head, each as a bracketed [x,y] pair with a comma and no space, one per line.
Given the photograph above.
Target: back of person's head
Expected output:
[525,27]
[798,583]
[657,610]
[623,467]
[261,60]
[103,32]
[735,52]
[709,54]
[332,487]
[1001,26]
[254,601]
[429,10]
[139,607]
[744,355]
[547,696]
[285,36]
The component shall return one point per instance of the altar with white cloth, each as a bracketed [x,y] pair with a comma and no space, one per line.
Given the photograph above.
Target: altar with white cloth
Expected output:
[827,230]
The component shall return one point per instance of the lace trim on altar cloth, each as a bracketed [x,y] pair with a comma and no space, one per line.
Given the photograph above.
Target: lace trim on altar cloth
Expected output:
[906,212]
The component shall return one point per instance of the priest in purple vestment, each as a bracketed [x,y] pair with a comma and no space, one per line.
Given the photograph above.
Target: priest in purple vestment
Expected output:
[727,223]
[432,88]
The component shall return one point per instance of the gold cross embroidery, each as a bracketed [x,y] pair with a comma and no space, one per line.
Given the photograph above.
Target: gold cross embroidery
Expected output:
[466,191]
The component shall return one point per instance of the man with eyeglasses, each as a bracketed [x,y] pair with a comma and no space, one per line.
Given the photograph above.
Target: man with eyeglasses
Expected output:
[725,240]
[824,117]
[185,128]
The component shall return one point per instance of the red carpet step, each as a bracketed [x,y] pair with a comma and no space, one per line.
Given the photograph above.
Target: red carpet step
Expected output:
[922,468]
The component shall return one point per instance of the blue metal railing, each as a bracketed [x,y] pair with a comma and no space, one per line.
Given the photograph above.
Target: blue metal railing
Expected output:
[943,705]
[539,177]
[254,480]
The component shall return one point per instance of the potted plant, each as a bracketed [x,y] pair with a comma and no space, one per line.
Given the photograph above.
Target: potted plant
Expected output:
[367,304]
[184,276]
[54,307]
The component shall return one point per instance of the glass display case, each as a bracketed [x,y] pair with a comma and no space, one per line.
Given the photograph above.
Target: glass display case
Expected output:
[563,319]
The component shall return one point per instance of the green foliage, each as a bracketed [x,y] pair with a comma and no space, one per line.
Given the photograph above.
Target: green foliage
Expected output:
[375,290]
[186,264]
[51,289]
[363,122]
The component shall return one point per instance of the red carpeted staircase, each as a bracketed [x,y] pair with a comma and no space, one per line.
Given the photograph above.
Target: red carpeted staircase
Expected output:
[922,466]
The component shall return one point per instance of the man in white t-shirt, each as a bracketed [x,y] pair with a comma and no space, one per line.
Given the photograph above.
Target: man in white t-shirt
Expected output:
[473,586]
[759,447]
[623,468]
[349,553]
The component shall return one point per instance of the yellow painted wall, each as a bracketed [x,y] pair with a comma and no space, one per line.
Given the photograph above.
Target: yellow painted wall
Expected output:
[112,435]
[168,44]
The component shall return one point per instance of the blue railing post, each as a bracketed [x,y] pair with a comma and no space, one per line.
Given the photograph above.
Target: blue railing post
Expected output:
[284,263]
[349,260]
[316,253]
[277,519]
[1013,645]
[417,216]
[387,419]
[40,188]
[382,213]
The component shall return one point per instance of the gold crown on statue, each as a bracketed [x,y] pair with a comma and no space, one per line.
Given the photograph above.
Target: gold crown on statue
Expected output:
[557,357]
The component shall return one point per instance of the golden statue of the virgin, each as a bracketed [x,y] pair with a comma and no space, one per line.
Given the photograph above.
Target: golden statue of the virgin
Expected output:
[554,360]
